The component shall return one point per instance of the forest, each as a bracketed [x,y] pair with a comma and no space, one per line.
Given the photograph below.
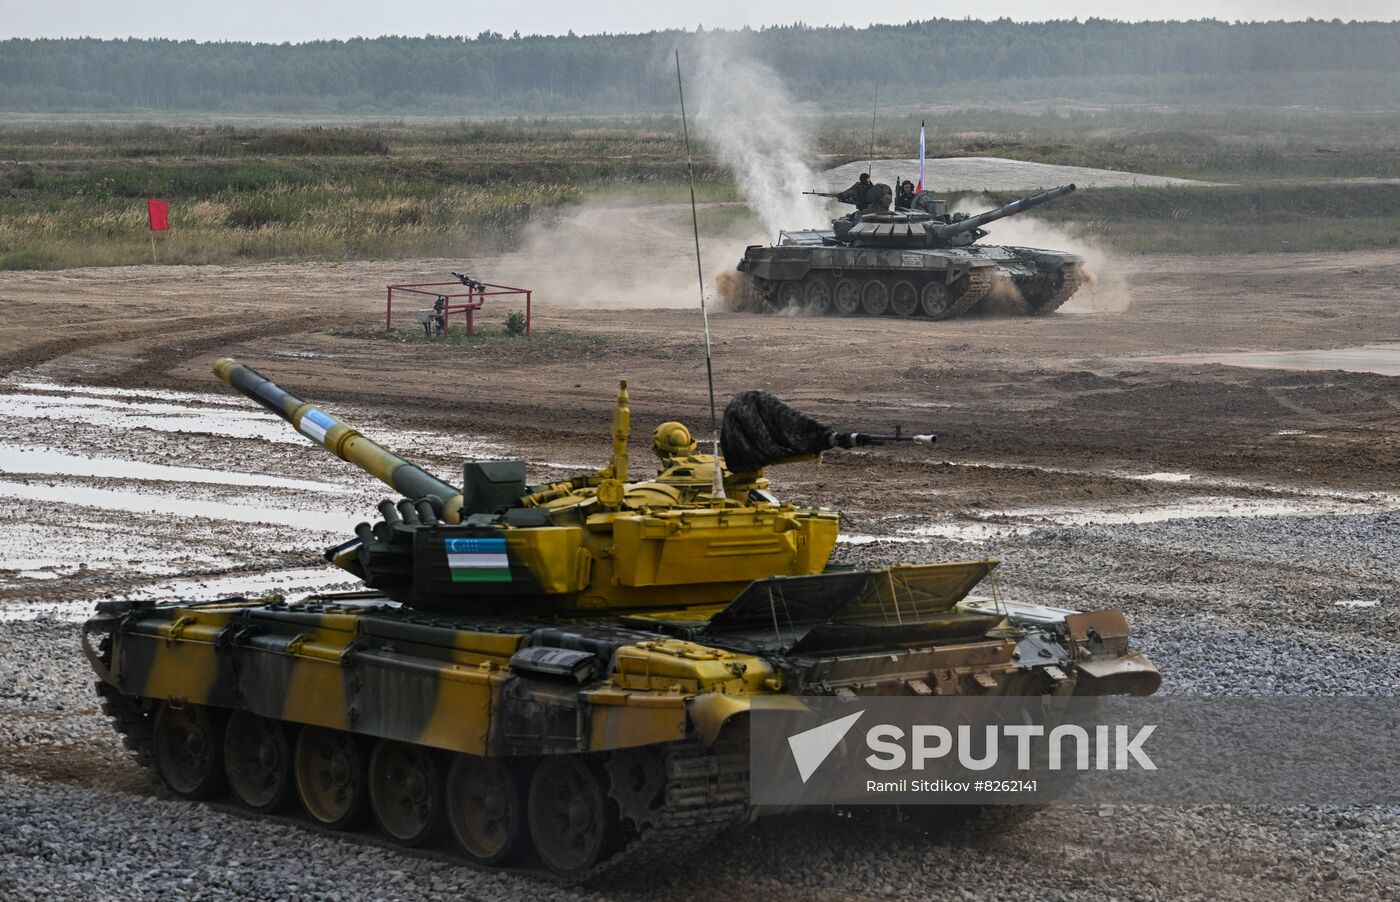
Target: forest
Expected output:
[1198,63]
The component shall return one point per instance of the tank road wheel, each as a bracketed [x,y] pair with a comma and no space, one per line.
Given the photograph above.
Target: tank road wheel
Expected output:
[330,776]
[405,791]
[904,298]
[818,301]
[874,298]
[846,297]
[935,299]
[258,761]
[486,808]
[187,751]
[790,295]
[572,822]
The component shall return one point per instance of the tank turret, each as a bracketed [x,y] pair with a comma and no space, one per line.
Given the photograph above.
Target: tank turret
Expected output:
[595,541]
[920,226]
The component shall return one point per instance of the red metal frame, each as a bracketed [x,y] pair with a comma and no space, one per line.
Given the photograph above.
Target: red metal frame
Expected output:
[474,300]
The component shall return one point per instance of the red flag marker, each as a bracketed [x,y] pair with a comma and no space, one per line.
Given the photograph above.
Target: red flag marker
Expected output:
[158,212]
[158,215]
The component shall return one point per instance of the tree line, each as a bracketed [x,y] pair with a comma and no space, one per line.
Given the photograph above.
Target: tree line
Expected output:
[837,67]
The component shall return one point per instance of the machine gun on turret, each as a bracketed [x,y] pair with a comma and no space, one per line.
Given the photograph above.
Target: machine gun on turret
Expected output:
[877,194]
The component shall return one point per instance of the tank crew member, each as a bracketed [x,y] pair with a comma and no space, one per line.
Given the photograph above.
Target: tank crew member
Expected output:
[856,194]
[878,199]
[672,442]
[904,199]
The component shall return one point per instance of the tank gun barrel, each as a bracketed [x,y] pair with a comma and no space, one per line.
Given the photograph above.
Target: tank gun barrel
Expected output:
[1011,209]
[345,442]
[861,439]
[823,193]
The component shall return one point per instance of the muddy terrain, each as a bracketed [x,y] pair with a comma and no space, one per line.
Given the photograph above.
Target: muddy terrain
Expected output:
[1245,517]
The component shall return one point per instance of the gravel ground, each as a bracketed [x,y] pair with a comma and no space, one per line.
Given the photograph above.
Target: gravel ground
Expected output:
[1224,606]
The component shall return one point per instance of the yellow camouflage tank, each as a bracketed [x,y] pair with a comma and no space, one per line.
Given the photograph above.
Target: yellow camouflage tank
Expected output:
[559,673]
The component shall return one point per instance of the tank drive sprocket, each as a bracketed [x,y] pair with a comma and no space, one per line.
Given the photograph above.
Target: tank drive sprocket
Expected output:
[1069,279]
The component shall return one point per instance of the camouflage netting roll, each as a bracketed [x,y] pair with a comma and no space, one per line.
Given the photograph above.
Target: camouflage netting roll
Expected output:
[759,430]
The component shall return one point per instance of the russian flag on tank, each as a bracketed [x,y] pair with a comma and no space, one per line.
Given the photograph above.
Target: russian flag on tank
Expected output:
[919,187]
[478,560]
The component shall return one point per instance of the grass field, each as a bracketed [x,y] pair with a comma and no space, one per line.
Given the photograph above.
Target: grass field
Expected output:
[74,195]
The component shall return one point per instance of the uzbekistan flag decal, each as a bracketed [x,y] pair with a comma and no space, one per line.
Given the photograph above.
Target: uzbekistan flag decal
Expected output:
[478,560]
[315,425]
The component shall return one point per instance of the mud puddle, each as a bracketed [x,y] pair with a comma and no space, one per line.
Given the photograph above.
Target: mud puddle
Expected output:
[160,416]
[1197,481]
[221,416]
[291,584]
[986,527]
[1382,359]
[1191,509]
[102,488]
[138,502]
[35,460]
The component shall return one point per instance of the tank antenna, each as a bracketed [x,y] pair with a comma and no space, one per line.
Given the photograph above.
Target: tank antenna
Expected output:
[875,108]
[718,491]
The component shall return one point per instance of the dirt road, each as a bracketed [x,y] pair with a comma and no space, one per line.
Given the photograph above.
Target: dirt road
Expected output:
[1244,517]
[1074,390]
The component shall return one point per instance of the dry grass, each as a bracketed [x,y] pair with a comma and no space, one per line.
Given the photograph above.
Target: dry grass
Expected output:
[74,196]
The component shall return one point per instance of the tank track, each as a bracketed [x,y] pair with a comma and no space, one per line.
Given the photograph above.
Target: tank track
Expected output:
[707,793]
[979,283]
[134,726]
[1073,279]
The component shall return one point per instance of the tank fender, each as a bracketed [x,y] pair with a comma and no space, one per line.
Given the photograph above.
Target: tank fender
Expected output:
[780,268]
[711,712]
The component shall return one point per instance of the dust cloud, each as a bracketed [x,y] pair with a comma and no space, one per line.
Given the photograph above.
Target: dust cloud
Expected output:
[756,128]
[619,255]
[1105,289]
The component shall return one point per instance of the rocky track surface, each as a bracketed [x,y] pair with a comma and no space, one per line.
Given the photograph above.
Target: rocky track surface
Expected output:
[78,818]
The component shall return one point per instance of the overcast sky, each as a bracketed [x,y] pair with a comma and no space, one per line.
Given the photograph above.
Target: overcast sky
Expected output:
[301,20]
